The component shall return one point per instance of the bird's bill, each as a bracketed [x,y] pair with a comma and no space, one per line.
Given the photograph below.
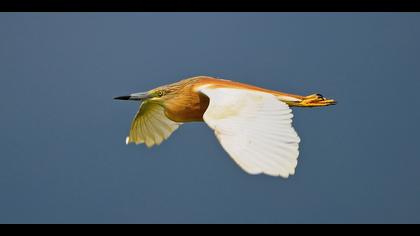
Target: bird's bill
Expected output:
[135,97]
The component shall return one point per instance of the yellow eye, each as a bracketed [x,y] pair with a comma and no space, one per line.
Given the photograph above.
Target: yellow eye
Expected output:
[160,93]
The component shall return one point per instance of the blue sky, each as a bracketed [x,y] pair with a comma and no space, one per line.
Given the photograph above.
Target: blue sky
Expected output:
[63,158]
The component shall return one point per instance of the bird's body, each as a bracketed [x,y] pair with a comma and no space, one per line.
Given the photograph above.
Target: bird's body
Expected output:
[253,124]
[188,104]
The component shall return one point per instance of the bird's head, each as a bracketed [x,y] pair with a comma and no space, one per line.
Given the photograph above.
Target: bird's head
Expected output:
[162,93]
[156,95]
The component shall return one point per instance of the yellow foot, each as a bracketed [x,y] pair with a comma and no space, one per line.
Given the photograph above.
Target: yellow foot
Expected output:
[316,100]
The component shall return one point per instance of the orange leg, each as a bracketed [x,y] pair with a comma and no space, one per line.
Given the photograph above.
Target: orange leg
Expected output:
[313,100]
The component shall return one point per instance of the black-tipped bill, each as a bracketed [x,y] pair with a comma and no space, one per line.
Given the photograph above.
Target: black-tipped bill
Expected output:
[122,98]
[134,97]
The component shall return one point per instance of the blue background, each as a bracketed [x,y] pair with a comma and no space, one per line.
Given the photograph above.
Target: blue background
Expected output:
[62,153]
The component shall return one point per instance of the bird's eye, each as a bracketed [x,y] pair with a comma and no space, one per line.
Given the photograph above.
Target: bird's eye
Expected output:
[160,93]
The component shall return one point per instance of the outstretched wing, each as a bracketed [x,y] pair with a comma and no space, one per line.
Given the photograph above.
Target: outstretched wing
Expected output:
[255,129]
[151,126]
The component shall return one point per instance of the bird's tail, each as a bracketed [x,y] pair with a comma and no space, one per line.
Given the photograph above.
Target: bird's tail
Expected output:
[314,100]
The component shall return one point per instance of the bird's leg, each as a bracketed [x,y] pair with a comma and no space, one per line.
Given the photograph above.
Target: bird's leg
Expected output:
[315,100]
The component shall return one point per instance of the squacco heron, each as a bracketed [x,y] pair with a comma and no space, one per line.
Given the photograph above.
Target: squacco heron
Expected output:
[253,125]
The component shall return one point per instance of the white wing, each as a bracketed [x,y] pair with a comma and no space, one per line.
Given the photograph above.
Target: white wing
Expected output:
[255,129]
[151,126]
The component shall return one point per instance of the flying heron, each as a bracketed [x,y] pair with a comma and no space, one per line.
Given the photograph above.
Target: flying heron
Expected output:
[253,124]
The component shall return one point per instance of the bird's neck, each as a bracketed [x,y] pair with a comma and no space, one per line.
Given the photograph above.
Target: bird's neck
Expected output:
[186,106]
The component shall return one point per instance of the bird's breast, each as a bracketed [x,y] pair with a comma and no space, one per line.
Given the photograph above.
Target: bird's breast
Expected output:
[188,106]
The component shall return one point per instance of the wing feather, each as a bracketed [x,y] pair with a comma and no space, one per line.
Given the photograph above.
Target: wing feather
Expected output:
[151,126]
[255,129]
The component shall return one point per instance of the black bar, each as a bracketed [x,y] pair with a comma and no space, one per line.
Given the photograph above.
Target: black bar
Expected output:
[211,6]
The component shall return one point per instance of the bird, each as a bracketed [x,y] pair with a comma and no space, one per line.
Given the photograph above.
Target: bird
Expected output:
[252,124]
